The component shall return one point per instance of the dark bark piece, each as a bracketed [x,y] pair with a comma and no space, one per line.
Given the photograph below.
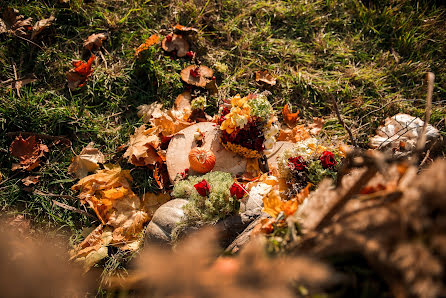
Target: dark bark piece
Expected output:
[243,238]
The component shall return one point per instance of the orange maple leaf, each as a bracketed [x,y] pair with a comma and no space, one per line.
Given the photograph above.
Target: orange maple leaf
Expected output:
[289,118]
[153,39]
[80,73]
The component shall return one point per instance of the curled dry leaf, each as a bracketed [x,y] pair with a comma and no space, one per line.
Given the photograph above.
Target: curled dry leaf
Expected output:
[28,151]
[265,77]
[86,161]
[80,73]
[198,76]
[143,148]
[42,25]
[175,43]
[316,126]
[183,30]
[289,118]
[30,180]
[297,134]
[108,193]
[273,205]
[152,40]
[15,24]
[94,41]
[93,248]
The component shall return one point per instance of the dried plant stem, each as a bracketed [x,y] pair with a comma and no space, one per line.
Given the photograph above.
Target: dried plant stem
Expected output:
[359,184]
[338,114]
[430,89]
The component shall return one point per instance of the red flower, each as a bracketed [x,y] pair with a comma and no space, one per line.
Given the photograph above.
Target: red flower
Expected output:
[297,163]
[237,191]
[184,173]
[203,188]
[169,38]
[190,54]
[194,73]
[327,159]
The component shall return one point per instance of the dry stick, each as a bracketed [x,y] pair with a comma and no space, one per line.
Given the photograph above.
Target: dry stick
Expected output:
[47,194]
[71,208]
[427,116]
[359,184]
[16,78]
[338,114]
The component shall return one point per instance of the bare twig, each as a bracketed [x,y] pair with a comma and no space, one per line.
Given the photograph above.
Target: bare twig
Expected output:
[16,78]
[74,209]
[47,194]
[359,184]
[427,116]
[338,114]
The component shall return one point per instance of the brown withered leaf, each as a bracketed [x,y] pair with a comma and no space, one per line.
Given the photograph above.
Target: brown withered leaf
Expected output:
[161,175]
[151,202]
[15,24]
[41,25]
[265,77]
[316,126]
[289,118]
[195,75]
[28,151]
[252,170]
[143,148]
[94,41]
[30,180]
[86,161]
[297,134]
[174,43]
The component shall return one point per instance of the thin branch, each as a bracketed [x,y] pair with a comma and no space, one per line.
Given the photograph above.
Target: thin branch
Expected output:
[74,209]
[338,114]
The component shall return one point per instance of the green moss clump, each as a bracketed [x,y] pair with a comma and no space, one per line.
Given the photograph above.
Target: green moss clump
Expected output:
[206,210]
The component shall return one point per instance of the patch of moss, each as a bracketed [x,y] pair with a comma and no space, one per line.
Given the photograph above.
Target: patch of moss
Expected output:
[202,210]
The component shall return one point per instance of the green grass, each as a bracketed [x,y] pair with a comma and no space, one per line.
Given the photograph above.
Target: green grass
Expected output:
[366,55]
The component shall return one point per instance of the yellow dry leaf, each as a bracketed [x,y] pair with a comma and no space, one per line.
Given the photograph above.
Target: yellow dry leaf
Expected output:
[128,219]
[143,148]
[273,205]
[151,202]
[112,176]
[86,161]
[93,248]
[169,124]
[297,134]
